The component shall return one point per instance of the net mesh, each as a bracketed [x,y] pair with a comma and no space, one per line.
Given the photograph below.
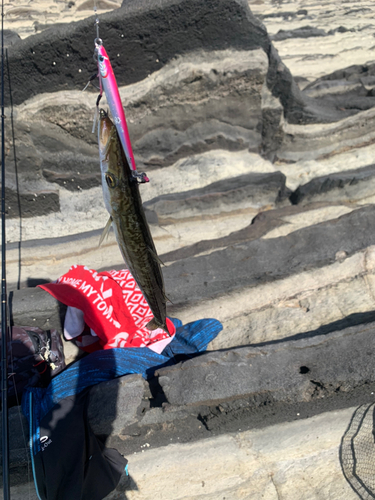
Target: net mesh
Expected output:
[357,452]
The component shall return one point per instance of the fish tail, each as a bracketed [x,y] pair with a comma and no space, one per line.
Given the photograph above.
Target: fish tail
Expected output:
[153,325]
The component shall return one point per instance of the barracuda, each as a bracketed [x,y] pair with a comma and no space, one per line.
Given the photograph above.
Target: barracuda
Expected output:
[124,204]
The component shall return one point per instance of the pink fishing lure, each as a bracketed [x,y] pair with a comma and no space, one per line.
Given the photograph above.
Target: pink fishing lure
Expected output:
[108,84]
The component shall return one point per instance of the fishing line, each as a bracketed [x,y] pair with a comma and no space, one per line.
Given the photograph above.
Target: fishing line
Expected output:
[12,374]
[96,22]
[4,320]
[97,41]
[16,171]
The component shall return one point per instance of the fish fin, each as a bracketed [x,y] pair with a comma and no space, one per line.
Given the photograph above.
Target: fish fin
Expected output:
[168,299]
[156,256]
[106,230]
[152,325]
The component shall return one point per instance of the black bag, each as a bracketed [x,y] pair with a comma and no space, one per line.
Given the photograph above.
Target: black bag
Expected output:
[72,463]
[34,357]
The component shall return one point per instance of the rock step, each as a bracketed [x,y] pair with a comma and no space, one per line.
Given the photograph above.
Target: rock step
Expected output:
[207,276]
[266,462]
[270,463]
[234,390]
[305,369]
[250,190]
[349,185]
[318,275]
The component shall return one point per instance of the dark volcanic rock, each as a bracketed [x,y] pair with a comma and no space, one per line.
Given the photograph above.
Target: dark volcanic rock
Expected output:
[35,307]
[339,87]
[31,205]
[72,181]
[284,14]
[260,225]
[340,29]
[146,37]
[46,146]
[347,90]
[272,131]
[354,73]
[345,186]
[250,263]
[303,370]
[357,11]
[10,38]
[303,32]
[247,190]
[114,405]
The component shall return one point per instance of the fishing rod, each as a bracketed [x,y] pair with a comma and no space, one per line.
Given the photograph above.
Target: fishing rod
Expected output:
[4,322]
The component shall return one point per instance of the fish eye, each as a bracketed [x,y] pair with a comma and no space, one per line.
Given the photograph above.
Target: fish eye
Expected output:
[110,180]
[101,58]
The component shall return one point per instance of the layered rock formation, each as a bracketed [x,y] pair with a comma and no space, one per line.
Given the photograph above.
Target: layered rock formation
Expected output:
[261,204]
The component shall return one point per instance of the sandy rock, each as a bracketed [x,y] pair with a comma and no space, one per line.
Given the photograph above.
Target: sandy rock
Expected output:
[312,301]
[303,171]
[351,40]
[198,102]
[297,460]
[186,107]
[310,217]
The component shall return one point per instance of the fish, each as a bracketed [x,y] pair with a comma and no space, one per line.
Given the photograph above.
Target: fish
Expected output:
[108,84]
[124,204]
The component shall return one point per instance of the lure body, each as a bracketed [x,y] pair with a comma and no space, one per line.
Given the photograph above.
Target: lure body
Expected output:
[108,84]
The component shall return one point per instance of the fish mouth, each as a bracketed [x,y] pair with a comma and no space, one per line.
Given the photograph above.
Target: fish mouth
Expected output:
[105,128]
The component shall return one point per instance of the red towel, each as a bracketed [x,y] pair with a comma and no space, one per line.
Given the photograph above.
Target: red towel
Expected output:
[112,304]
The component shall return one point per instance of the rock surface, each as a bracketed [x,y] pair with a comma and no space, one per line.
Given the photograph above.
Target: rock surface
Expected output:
[233,397]
[256,128]
[296,460]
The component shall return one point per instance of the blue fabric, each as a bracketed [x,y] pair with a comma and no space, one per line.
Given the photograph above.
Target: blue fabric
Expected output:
[193,337]
[105,365]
